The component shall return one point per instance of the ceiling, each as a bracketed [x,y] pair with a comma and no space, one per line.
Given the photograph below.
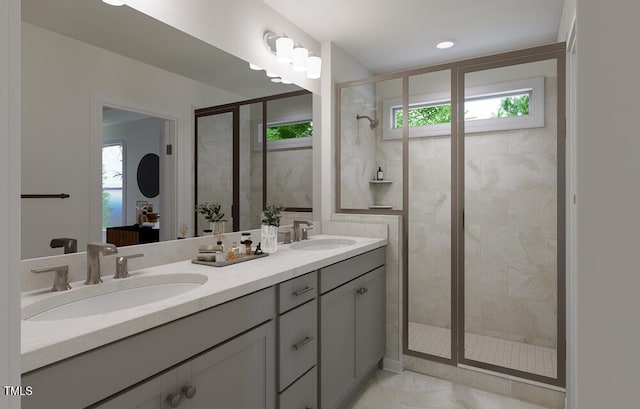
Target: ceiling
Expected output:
[394,35]
[128,32]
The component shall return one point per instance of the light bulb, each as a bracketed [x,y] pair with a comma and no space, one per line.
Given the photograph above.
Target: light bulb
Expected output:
[300,56]
[314,67]
[284,50]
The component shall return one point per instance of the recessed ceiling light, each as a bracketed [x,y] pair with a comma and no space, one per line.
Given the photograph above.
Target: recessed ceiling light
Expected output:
[276,80]
[255,67]
[285,81]
[271,74]
[445,44]
[114,2]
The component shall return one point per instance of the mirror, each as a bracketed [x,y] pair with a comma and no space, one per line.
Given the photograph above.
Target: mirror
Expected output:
[79,57]
[233,170]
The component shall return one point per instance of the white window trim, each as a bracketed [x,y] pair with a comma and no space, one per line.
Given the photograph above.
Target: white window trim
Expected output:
[535,119]
[293,143]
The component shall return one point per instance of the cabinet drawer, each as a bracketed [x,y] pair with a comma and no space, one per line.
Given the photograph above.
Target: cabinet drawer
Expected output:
[297,350]
[344,271]
[303,394]
[297,291]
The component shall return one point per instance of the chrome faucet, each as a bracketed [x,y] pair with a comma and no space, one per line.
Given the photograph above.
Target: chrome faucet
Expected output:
[301,234]
[93,260]
[60,276]
[69,245]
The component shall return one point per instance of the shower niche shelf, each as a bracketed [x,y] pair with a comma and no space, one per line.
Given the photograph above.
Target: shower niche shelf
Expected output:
[380,207]
[380,182]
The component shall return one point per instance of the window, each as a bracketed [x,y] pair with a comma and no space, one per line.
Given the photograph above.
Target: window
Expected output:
[287,135]
[113,185]
[509,105]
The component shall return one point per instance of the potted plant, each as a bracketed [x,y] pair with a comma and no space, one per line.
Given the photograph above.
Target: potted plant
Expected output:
[270,224]
[213,213]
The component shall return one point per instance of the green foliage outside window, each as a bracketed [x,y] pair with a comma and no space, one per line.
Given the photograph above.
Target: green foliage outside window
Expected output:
[426,115]
[513,106]
[516,105]
[289,131]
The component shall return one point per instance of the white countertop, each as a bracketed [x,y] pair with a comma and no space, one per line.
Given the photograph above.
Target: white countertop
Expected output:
[46,342]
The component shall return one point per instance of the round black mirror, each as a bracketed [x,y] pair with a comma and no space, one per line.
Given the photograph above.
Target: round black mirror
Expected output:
[149,175]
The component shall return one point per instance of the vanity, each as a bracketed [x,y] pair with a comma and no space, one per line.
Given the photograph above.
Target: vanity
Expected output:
[302,328]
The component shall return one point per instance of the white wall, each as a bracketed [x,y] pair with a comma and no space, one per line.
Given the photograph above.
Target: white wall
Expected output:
[608,272]
[62,81]
[9,198]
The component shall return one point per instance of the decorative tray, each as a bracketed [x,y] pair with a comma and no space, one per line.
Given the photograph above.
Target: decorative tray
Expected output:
[229,262]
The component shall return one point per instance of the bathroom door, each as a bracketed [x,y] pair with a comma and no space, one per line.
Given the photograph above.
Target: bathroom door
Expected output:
[217,164]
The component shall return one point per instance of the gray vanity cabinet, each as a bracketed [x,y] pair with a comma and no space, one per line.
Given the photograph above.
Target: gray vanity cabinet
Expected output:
[352,334]
[237,374]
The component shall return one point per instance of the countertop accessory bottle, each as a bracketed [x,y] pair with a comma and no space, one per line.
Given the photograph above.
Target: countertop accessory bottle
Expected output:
[379,174]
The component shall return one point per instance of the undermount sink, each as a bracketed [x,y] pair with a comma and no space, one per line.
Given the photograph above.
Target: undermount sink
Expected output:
[322,244]
[114,295]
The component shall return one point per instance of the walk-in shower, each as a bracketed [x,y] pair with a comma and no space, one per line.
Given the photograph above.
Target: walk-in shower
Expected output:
[474,157]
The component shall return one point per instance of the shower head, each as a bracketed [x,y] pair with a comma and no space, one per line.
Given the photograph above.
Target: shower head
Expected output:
[372,122]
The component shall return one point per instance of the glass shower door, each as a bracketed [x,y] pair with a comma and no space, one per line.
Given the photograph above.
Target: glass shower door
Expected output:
[216,172]
[512,198]
[430,324]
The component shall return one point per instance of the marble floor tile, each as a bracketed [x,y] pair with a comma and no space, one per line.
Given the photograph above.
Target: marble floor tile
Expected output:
[510,354]
[410,390]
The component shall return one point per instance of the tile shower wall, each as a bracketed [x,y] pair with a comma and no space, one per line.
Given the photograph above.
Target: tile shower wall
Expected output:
[357,147]
[215,164]
[289,180]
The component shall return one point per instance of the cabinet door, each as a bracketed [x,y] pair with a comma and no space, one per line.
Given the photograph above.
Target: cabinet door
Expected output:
[337,345]
[370,322]
[239,374]
[148,395]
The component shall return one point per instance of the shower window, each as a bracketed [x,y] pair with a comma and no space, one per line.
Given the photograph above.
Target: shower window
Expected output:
[494,107]
[285,135]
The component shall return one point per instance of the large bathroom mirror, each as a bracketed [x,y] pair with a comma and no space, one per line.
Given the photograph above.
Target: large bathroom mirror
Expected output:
[81,59]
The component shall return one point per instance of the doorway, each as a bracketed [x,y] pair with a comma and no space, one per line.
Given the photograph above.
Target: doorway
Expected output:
[138,177]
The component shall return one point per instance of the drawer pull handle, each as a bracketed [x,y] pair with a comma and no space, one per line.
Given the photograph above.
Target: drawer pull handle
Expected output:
[362,290]
[189,391]
[302,343]
[304,290]
[174,400]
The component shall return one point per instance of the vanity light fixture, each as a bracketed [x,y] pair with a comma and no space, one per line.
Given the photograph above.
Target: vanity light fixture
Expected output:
[301,59]
[443,45]
[114,2]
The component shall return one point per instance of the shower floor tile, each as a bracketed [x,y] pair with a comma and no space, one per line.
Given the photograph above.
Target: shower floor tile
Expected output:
[510,354]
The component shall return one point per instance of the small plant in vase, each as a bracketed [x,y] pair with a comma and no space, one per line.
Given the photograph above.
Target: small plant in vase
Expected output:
[213,213]
[270,224]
